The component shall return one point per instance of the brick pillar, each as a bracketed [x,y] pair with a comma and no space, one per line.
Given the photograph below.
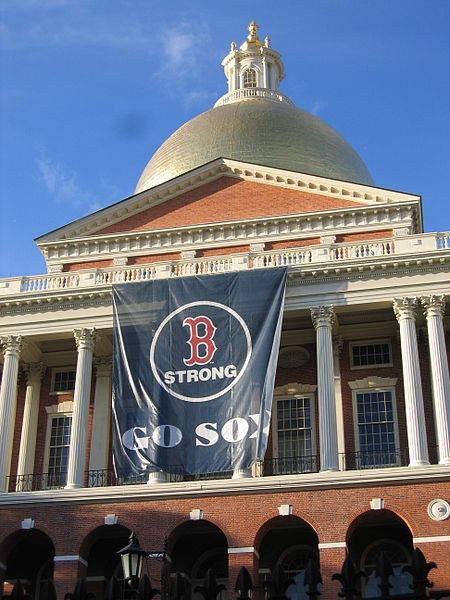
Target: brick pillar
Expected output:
[331,560]
[237,558]
[66,572]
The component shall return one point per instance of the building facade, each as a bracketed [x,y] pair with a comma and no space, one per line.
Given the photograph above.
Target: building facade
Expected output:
[359,448]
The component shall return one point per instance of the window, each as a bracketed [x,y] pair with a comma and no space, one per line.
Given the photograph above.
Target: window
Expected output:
[370,354]
[250,78]
[294,443]
[398,556]
[58,450]
[63,380]
[294,564]
[376,429]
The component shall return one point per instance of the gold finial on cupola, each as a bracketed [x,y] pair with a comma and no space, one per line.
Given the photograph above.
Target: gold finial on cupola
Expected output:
[253,28]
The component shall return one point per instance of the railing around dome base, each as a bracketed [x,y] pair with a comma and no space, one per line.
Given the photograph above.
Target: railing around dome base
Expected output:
[246,93]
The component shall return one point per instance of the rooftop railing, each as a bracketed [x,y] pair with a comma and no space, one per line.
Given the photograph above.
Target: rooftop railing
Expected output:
[256,92]
[321,255]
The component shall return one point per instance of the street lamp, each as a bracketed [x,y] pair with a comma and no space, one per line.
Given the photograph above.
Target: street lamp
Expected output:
[132,557]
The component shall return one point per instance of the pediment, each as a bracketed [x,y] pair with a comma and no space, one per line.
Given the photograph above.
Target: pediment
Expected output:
[223,191]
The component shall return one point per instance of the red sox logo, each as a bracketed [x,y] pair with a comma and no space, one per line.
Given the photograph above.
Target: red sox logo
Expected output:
[216,356]
[203,347]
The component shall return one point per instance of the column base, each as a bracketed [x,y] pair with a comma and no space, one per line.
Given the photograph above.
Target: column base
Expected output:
[73,486]
[241,474]
[419,463]
[445,461]
[329,470]
[156,477]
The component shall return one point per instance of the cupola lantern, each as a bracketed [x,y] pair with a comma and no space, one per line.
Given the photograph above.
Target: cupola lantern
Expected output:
[255,70]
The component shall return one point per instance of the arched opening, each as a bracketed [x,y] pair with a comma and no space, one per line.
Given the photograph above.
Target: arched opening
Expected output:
[288,542]
[99,549]
[376,532]
[28,555]
[249,78]
[195,547]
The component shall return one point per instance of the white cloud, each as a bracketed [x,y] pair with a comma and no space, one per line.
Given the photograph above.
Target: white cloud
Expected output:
[62,184]
[317,107]
[178,46]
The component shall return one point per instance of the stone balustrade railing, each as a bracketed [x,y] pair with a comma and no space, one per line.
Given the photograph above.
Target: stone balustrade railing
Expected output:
[413,246]
[237,95]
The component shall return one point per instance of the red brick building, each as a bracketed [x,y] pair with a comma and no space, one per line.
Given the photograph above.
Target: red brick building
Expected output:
[359,448]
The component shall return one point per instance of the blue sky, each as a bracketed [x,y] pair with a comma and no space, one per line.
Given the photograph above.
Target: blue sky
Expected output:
[91,88]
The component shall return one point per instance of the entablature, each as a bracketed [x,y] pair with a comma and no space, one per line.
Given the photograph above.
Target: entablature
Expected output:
[398,217]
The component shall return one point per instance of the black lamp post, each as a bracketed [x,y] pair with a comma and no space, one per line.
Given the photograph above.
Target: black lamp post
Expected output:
[132,557]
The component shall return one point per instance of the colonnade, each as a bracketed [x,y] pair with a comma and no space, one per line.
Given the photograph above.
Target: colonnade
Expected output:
[323,318]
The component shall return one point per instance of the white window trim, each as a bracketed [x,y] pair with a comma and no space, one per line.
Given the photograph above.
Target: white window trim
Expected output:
[52,382]
[351,345]
[275,420]
[369,389]
[57,410]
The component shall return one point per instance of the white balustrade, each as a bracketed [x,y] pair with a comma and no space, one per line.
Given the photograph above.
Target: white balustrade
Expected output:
[202,267]
[41,283]
[252,93]
[362,250]
[443,241]
[295,257]
[285,258]
[125,274]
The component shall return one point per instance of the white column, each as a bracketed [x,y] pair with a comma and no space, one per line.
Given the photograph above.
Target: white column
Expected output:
[323,318]
[264,68]
[101,421]
[85,339]
[338,344]
[25,466]
[405,311]
[434,307]
[12,346]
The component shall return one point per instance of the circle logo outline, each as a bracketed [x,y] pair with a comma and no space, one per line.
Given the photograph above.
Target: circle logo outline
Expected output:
[170,316]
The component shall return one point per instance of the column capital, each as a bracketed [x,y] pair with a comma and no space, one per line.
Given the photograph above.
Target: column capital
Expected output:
[85,338]
[433,306]
[323,316]
[405,308]
[103,366]
[12,344]
[34,372]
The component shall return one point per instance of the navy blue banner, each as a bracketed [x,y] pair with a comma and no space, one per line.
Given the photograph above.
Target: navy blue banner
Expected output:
[194,370]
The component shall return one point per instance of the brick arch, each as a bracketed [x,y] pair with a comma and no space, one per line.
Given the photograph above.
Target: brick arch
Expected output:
[184,523]
[190,541]
[275,522]
[383,514]
[26,552]
[101,533]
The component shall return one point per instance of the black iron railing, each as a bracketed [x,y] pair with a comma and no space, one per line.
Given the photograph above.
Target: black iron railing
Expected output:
[376,459]
[270,467]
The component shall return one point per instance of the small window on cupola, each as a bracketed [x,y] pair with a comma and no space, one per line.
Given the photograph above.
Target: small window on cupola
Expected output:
[250,78]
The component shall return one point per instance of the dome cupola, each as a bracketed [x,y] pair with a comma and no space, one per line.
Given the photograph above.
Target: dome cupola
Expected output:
[255,70]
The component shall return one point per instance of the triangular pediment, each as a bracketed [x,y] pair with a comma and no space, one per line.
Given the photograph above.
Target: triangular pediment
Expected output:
[223,191]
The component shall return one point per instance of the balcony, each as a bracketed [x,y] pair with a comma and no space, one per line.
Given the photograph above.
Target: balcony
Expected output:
[271,467]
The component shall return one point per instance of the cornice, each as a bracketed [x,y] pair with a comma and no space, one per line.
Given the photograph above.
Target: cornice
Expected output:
[233,487]
[360,194]
[231,233]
